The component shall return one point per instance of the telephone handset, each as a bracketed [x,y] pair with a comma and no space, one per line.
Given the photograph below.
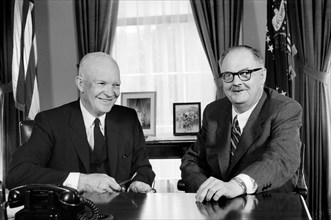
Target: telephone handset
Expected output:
[46,201]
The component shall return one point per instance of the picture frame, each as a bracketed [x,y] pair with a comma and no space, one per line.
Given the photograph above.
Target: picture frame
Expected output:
[145,105]
[186,118]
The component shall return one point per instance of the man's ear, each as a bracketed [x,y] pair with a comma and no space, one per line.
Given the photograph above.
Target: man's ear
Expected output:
[79,83]
[264,75]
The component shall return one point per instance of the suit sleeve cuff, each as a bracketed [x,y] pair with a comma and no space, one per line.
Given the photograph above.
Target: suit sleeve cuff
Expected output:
[250,183]
[72,180]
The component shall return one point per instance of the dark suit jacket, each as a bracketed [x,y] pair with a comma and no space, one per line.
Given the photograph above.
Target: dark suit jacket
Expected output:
[268,151]
[58,145]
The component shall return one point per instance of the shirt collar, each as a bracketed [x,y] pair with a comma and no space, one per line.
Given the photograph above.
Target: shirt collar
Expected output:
[243,117]
[89,118]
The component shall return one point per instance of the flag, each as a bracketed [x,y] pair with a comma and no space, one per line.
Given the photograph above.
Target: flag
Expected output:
[24,61]
[279,51]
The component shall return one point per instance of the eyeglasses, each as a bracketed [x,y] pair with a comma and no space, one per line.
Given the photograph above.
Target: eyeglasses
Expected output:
[243,75]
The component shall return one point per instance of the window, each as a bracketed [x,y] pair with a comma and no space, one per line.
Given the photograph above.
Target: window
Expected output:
[158,48]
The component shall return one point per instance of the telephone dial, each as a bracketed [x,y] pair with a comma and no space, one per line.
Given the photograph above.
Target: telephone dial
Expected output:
[46,201]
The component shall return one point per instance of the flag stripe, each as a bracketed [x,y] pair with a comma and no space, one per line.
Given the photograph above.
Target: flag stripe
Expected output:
[16,67]
[28,60]
[21,86]
[34,107]
[24,64]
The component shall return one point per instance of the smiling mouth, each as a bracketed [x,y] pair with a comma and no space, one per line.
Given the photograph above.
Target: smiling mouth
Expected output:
[237,91]
[105,100]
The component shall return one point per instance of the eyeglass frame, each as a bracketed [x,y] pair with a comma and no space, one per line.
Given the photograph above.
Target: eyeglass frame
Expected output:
[249,72]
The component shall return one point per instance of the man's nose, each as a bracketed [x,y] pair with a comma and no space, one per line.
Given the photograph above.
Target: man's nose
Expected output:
[109,90]
[236,80]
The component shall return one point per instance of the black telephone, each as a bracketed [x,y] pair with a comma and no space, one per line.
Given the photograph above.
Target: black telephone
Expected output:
[46,201]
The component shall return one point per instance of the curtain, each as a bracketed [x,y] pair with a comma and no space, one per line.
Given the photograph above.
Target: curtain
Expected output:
[9,115]
[96,24]
[310,23]
[218,23]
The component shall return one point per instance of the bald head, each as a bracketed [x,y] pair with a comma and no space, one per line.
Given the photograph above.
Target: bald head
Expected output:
[98,82]
[95,61]
[254,52]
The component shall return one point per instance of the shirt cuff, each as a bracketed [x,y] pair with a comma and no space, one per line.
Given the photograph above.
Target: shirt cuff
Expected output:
[250,183]
[72,180]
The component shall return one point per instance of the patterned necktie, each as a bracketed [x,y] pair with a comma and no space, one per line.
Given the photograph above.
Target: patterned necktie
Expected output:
[235,135]
[99,139]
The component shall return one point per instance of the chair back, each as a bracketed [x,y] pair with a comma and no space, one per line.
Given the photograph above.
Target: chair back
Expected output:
[25,129]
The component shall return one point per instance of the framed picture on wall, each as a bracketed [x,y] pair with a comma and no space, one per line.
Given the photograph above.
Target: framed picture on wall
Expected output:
[186,118]
[145,105]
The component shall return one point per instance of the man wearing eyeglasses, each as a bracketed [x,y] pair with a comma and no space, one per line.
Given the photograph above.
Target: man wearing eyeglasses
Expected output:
[250,140]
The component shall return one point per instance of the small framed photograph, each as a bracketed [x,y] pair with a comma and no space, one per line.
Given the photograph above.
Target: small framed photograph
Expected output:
[145,105]
[187,118]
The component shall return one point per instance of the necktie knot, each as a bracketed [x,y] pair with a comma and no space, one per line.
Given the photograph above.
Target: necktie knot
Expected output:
[97,122]
[235,125]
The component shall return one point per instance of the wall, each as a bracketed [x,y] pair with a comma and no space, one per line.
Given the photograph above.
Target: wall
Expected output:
[57,52]
[254,23]
[57,49]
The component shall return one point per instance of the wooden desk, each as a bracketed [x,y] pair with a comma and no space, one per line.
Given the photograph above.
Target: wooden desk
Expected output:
[169,147]
[183,206]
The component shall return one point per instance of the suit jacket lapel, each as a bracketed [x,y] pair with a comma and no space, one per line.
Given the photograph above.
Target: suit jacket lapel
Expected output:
[112,142]
[252,131]
[223,135]
[78,136]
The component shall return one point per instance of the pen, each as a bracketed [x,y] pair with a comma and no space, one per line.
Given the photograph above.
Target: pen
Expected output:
[126,181]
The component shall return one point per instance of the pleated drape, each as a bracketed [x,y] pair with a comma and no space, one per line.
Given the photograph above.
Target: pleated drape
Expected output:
[310,23]
[96,25]
[218,23]
[9,115]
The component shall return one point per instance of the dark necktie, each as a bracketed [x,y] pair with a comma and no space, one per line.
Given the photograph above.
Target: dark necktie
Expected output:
[99,139]
[235,136]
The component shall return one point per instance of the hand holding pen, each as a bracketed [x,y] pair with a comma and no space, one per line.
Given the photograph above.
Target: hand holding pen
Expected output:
[122,184]
[136,186]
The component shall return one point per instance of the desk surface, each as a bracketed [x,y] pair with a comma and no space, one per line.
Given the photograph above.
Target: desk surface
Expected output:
[183,206]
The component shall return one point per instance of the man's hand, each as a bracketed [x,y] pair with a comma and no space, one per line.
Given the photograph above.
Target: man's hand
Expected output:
[97,182]
[214,188]
[138,186]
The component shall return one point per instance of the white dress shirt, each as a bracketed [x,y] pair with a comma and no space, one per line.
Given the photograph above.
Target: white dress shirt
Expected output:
[250,183]
[73,177]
